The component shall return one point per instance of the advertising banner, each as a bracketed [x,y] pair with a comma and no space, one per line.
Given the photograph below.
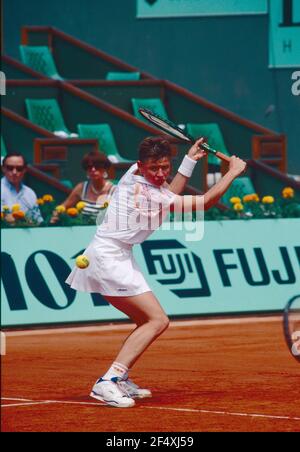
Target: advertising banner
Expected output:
[238,266]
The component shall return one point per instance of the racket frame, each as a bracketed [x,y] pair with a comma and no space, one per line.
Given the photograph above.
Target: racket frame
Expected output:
[286,326]
[178,132]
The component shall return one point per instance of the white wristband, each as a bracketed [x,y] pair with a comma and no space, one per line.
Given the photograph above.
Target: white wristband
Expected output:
[187,166]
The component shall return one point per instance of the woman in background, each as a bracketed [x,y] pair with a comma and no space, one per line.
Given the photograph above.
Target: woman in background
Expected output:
[95,191]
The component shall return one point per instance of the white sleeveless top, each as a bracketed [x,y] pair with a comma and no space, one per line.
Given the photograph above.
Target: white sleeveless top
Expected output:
[136,209]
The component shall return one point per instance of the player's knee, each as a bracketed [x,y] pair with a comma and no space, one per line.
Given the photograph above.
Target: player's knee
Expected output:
[162,324]
[166,323]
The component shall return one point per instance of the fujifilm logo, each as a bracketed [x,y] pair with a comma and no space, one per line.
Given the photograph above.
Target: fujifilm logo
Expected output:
[296,84]
[2,84]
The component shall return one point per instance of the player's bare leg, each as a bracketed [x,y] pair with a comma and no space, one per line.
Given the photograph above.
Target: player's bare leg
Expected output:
[151,321]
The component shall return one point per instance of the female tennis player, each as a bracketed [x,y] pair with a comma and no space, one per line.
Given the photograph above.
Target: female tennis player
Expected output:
[141,201]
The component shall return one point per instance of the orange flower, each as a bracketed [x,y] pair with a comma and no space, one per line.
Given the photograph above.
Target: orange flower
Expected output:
[288,192]
[19,215]
[72,212]
[40,201]
[252,197]
[2,215]
[48,198]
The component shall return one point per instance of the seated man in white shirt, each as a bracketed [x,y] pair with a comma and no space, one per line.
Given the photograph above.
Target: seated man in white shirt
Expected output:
[14,191]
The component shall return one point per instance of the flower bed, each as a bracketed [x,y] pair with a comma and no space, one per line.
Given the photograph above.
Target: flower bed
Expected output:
[252,207]
[249,207]
[47,205]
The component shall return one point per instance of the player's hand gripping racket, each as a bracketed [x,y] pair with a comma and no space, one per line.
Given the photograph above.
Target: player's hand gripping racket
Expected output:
[291,326]
[172,129]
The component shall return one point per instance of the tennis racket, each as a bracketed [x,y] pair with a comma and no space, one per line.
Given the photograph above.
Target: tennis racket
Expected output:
[172,129]
[291,326]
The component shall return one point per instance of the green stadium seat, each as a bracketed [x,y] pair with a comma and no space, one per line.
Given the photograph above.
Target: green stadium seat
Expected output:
[106,140]
[214,138]
[115,76]
[46,113]
[67,183]
[154,104]
[40,59]
[240,187]
[3,149]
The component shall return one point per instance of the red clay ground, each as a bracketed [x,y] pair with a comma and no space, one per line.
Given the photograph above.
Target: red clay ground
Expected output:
[204,377]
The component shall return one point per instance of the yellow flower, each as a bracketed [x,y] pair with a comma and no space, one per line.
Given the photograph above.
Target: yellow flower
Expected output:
[268,200]
[288,192]
[48,198]
[250,198]
[40,201]
[72,212]
[238,206]
[80,205]
[18,215]
[235,199]
[5,208]
[60,209]
[15,207]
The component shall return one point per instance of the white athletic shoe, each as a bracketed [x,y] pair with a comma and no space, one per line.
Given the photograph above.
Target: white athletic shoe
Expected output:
[132,390]
[108,391]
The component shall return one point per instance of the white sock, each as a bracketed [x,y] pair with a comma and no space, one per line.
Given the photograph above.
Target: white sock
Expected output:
[117,370]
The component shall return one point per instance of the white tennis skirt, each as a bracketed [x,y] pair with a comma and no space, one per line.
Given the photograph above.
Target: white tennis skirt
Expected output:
[112,270]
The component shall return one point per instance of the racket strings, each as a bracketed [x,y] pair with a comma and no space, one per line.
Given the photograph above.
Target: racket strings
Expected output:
[169,127]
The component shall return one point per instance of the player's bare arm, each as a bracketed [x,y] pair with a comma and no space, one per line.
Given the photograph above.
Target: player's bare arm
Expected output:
[191,203]
[195,153]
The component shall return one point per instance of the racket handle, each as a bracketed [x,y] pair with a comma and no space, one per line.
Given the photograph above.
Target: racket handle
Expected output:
[218,154]
[222,156]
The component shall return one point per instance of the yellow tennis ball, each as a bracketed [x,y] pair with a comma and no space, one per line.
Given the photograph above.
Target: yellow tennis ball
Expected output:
[82,261]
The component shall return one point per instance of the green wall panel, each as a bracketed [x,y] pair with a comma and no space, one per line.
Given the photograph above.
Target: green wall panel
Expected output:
[224,59]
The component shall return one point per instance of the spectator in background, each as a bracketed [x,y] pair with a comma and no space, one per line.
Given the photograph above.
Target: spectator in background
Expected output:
[14,191]
[95,191]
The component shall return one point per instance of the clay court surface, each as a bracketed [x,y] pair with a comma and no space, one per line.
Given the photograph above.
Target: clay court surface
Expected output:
[211,375]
